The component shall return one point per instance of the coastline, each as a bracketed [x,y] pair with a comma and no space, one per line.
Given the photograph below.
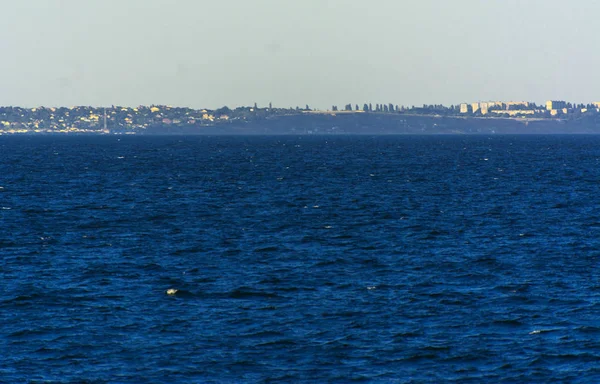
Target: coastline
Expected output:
[328,122]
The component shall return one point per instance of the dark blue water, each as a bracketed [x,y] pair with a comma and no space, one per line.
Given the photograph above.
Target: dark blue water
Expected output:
[300,259]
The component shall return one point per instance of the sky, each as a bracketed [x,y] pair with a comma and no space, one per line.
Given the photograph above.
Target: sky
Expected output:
[212,53]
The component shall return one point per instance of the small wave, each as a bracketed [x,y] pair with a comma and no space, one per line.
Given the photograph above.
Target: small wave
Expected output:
[407,335]
[263,334]
[179,293]
[184,251]
[326,263]
[371,261]
[152,267]
[267,249]
[432,348]
[342,314]
[514,288]
[23,299]
[420,357]
[248,293]
[7,243]
[490,260]
[343,236]
[161,217]
[296,289]
[284,342]
[23,333]
[507,323]
[369,247]
[539,331]
[588,329]
[271,280]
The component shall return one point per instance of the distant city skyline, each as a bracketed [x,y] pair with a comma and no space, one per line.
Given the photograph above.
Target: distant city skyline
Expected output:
[209,53]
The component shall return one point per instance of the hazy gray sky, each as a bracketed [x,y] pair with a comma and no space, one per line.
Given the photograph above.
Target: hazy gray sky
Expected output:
[210,53]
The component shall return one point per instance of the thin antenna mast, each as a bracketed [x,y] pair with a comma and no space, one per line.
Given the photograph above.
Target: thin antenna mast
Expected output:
[105,126]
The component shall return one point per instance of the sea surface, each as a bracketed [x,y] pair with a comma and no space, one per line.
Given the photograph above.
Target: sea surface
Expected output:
[330,259]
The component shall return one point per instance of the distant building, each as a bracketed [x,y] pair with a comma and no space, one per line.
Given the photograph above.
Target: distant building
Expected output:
[516,103]
[484,108]
[515,112]
[553,105]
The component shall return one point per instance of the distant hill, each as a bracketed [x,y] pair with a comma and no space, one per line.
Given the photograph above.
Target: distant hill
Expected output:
[377,124]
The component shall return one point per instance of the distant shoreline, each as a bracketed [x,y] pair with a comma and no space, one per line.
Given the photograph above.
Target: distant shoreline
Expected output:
[251,121]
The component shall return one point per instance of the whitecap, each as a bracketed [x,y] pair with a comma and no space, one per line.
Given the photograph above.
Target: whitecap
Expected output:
[538,331]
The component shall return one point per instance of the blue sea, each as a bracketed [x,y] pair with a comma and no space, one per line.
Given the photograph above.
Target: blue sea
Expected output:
[300,259]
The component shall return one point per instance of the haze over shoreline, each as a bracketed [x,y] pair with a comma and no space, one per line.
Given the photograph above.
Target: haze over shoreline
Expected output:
[368,118]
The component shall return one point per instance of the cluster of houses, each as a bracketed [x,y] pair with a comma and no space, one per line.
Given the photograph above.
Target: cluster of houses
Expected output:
[524,108]
[100,120]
